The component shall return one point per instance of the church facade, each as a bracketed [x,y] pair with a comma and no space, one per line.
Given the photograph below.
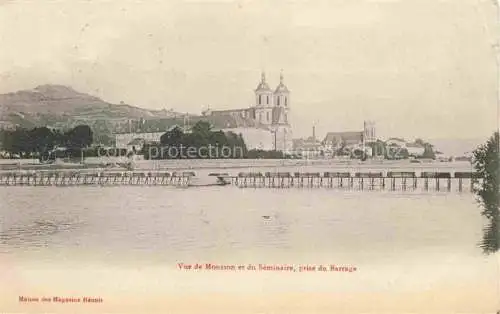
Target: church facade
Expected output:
[266,123]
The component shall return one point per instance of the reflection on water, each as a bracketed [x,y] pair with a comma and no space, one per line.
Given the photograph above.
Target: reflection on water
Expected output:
[489,200]
[490,241]
[38,233]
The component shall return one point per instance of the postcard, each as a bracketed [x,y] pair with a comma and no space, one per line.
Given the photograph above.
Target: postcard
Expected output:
[248,156]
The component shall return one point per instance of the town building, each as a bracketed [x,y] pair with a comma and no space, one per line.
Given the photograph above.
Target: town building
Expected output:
[415,150]
[369,134]
[396,142]
[132,139]
[308,148]
[345,143]
[337,140]
[351,139]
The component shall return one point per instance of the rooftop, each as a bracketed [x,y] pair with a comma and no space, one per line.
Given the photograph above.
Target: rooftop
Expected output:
[136,141]
[335,137]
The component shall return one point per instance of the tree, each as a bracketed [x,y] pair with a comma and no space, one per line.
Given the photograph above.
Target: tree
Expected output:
[378,148]
[17,142]
[207,143]
[79,137]
[59,138]
[236,144]
[429,152]
[420,142]
[486,163]
[242,145]
[172,137]
[341,149]
[200,135]
[41,139]
[203,128]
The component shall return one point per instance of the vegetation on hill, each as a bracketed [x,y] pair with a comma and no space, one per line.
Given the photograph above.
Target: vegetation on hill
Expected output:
[62,106]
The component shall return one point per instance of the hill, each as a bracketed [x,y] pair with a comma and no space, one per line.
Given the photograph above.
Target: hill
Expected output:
[62,106]
[457,147]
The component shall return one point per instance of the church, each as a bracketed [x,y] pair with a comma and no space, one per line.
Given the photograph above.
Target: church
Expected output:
[263,125]
[266,123]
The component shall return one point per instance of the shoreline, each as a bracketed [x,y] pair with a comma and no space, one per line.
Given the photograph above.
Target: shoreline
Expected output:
[201,164]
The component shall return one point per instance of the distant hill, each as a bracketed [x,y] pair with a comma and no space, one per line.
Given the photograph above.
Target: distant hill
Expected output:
[457,147]
[57,105]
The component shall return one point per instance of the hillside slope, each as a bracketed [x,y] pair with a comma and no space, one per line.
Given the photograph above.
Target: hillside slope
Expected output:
[62,105]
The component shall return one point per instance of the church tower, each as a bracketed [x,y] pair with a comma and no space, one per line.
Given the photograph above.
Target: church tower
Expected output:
[263,102]
[281,119]
[282,100]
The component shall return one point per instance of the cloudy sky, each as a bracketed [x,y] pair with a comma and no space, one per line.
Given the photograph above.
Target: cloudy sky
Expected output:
[416,67]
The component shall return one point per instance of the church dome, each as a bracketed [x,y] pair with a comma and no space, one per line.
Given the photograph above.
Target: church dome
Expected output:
[263,86]
[281,87]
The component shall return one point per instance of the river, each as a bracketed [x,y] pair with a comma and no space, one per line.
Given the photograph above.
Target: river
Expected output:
[413,253]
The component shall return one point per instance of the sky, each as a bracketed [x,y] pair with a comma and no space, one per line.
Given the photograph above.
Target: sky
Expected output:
[418,68]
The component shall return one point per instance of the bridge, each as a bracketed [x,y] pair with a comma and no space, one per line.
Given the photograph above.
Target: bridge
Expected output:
[370,181]
[102,178]
[391,181]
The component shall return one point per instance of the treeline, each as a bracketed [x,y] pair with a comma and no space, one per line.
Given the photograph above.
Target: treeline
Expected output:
[79,153]
[33,143]
[392,152]
[201,142]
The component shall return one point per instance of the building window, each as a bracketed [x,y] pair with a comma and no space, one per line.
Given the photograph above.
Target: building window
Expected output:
[286,119]
[286,101]
[260,99]
[267,115]
[278,99]
[268,100]
[260,116]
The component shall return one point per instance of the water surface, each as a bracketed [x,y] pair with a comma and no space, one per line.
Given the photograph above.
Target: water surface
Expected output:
[116,241]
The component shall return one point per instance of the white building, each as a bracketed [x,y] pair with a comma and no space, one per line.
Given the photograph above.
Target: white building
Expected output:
[369,134]
[254,138]
[124,140]
[415,150]
[394,141]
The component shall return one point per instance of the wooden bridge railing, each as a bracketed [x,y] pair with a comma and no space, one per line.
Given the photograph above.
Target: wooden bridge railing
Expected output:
[439,175]
[392,174]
